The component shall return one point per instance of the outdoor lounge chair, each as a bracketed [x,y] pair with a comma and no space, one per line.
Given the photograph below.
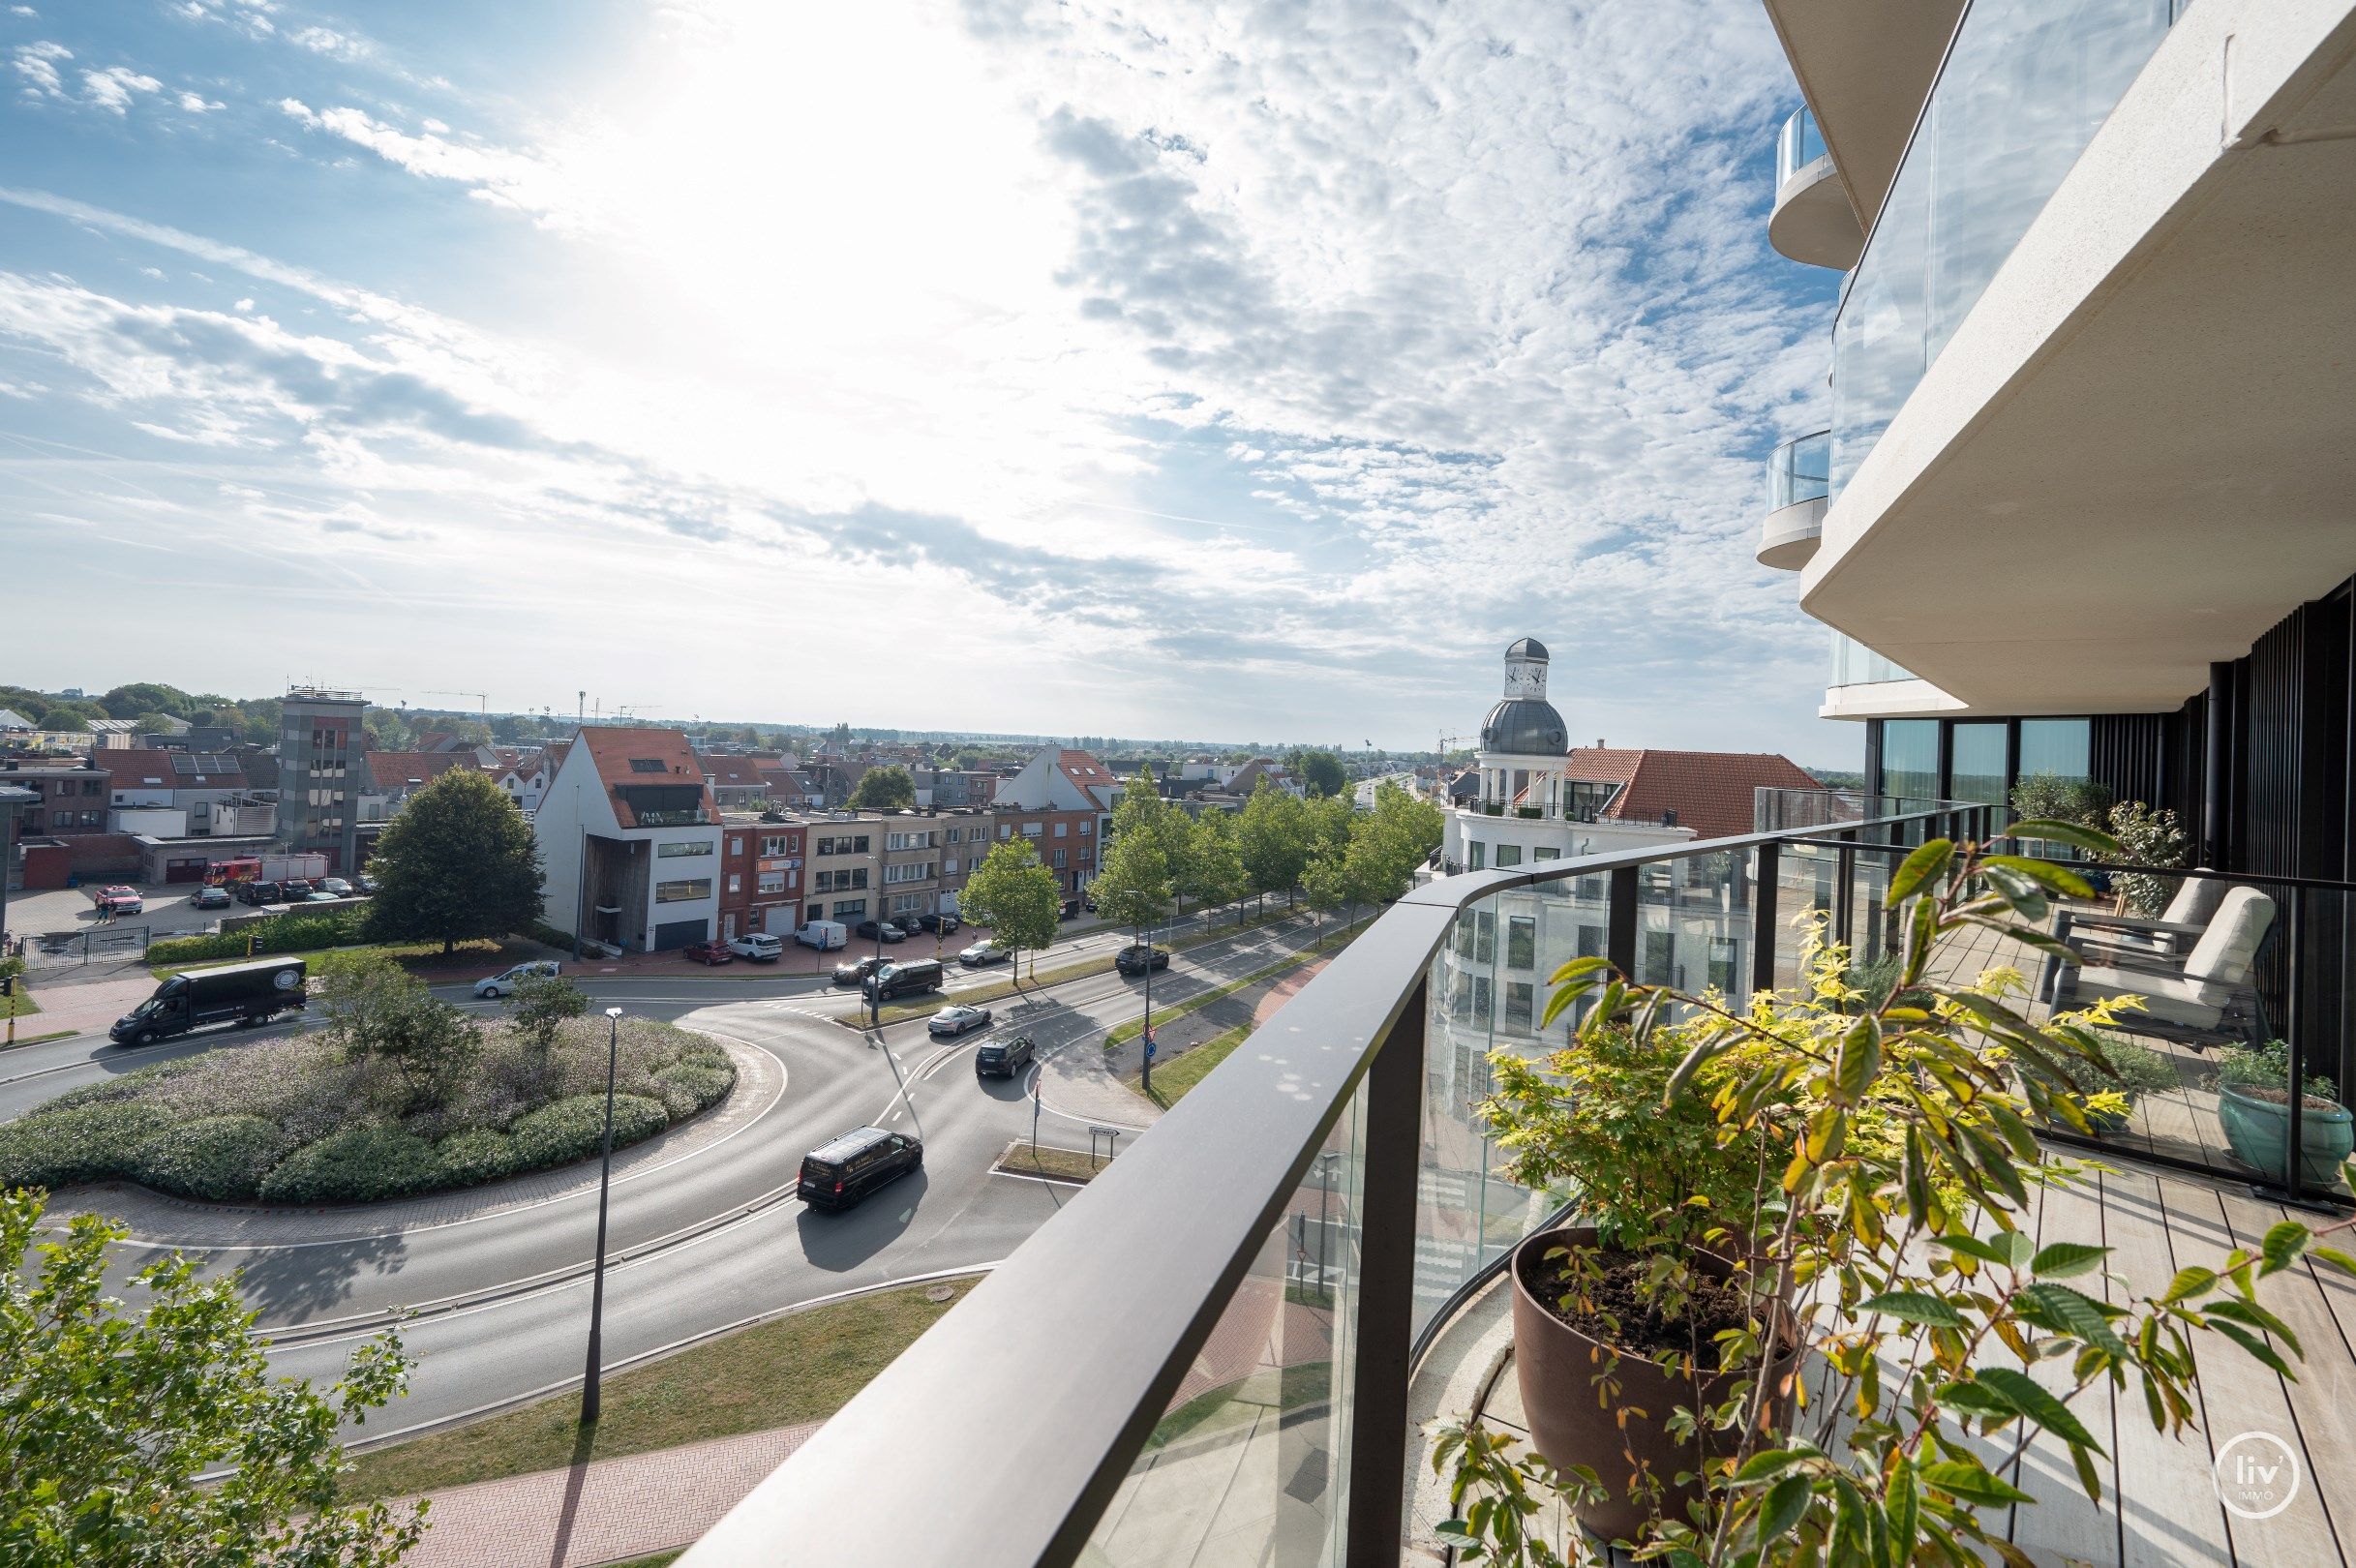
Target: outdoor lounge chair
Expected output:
[2210,998]
[2141,940]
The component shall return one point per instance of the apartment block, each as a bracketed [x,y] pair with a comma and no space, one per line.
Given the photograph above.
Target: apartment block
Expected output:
[630,842]
[321,744]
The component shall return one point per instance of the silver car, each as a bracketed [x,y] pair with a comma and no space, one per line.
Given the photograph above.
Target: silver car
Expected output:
[505,982]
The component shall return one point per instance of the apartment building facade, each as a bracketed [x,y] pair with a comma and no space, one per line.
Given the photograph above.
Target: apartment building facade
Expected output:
[761,871]
[320,773]
[74,794]
[2088,372]
[630,843]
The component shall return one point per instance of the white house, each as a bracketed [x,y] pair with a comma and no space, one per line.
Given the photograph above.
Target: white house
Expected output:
[630,841]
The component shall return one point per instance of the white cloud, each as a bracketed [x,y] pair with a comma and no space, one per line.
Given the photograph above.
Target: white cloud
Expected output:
[494,174]
[346,46]
[244,305]
[36,64]
[198,103]
[113,88]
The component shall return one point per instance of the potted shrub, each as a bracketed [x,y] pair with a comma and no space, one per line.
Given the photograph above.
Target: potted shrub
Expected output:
[1617,1320]
[1893,1171]
[2253,1108]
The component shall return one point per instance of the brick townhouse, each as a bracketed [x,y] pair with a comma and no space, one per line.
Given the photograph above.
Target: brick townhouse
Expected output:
[761,875]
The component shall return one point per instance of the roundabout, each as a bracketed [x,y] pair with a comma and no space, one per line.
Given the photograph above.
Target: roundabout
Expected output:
[489,1284]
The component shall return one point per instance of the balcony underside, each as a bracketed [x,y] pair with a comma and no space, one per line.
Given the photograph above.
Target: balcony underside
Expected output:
[1789,537]
[1812,222]
[2142,437]
[1865,67]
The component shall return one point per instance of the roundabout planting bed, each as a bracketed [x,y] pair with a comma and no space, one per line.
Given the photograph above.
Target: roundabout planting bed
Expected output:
[306,1121]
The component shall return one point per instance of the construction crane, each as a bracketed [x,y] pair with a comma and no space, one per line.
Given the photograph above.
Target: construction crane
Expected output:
[481,699]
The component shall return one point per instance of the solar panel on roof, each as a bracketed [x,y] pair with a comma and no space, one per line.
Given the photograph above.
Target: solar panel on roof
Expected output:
[648,764]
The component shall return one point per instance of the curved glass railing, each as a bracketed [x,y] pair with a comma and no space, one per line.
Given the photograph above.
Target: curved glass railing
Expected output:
[1854,664]
[2025,85]
[1205,1355]
[1797,145]
[1799,471]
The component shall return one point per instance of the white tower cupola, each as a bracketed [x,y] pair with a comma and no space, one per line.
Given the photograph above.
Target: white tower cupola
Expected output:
[1526,669]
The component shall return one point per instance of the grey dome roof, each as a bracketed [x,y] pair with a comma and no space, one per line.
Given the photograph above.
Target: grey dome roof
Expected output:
[1525,727]
[1527,648]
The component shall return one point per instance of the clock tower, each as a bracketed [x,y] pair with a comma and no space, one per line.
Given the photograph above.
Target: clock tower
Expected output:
[1526,669]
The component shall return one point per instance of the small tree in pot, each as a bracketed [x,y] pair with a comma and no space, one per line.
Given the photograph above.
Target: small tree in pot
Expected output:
[1890,1209]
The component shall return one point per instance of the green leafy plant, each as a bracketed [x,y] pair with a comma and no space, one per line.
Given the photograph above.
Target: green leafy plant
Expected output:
[110,1415]
[2266,1069]
[2146,837]
[2079,803]
[1904,1167]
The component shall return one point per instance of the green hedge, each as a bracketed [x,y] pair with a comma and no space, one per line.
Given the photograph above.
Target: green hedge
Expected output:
[355,1165]
[290,932]
[217,1156]
[83,1143]
[574,1127]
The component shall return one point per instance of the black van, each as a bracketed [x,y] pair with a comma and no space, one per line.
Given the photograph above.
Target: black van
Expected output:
[857,1163]
[904,980]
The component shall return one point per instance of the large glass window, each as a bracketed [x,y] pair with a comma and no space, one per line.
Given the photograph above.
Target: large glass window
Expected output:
[2061,747]
[1522,942]
[1978,764]
[1508,855]
[682,892]
[1910,758]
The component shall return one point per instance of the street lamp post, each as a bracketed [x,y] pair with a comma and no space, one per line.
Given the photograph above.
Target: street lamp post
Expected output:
[1145,1073]
[589,1393]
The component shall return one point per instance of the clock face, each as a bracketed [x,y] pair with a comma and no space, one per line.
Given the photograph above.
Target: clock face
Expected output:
[1524,680]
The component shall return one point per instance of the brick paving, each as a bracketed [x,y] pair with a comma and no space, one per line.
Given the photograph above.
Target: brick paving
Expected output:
[605,1511]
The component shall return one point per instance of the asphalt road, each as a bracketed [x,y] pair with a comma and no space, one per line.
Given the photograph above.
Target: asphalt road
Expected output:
[707,1239]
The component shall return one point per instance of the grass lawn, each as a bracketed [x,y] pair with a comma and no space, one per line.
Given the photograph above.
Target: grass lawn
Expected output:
[1181,1072]
[21,1004]
[1065,1164]
[412,955]
[780,1373]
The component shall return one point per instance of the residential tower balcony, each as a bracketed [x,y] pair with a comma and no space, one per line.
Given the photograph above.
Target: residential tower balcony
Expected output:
[1219,1349]
[1796,490]
[1812,220]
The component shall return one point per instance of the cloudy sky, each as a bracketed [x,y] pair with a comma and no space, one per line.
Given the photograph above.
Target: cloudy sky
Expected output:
[1250,371]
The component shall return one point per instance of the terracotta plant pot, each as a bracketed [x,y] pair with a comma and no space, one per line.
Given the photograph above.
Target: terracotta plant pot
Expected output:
[1570,1424]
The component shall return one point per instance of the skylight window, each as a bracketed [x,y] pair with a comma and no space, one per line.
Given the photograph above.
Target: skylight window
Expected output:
[648,764]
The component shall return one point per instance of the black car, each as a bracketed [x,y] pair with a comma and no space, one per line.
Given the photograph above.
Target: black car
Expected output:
[852,1167]
[1004,1058]
[292,891]
[856,973]
[943,923]
[1134,959]
[1072,909]
[258,892]
[885,933]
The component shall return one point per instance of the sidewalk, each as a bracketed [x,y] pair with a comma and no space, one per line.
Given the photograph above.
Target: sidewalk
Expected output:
[606,1511]
[83,1007]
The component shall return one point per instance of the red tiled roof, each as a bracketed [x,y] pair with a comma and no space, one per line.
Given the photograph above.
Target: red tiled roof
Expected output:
[140,769]
[397,769]
[1083,768]
[634,756]
[1711,792]
[739,773]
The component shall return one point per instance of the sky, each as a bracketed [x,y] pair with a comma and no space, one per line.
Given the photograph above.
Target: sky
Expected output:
[1208,368]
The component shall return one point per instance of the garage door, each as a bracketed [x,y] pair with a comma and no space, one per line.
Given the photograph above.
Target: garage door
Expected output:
[184,870]
[678,934]
[778,919]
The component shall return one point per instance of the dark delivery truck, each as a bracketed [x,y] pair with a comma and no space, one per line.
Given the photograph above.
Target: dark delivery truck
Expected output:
[246,994]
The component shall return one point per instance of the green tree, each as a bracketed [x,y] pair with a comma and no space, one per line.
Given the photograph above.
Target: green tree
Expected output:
[888,788]
[543,1005]
[381,1014]
[1212,873]
[154,722]
[145,697]
[1320,771]
[457,862]
[1133,887]
[1017,897]
[109,1417]
[1272,836]
[1402,831]
[76,715]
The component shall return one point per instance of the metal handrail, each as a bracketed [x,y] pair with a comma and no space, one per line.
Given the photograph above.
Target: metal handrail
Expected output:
[1001,1436]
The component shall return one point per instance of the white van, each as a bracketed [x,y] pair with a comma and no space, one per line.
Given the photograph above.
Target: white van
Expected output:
[824,935]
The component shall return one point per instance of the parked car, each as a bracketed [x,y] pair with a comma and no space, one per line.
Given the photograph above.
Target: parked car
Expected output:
[209,897]
[119,900]
[320,897]
[983,952]
[292,891]
[365,884]
[505,982]
[1072,909]
[1004,1058]
[846,1169]
[824,935]
[1137,959]
[758,946]
[258,892]
[884,931]
[336,886]
[856,973]
[897,979]
[707,953]
[952,1022]
[946,924]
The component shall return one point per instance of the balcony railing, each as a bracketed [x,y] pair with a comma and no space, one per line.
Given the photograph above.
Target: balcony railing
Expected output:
[1210,1346]
[1797,145]
[2024,86]
[691,817]
[1796,475]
